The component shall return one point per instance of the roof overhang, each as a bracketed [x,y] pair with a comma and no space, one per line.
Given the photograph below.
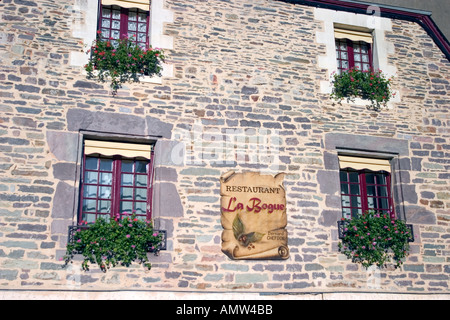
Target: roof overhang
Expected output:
[423,18]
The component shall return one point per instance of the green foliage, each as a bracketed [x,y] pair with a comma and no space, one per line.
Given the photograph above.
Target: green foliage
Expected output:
[373,238]
[368,85]
[113,242]
[122,63]
[245,239]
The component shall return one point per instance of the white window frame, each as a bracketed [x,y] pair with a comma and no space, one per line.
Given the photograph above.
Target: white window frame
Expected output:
[381,48]
[85,27]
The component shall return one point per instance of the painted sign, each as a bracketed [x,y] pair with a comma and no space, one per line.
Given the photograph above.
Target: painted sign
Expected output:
[253,216]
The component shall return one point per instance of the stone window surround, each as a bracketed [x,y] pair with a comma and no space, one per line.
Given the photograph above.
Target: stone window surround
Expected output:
[390,149]
[381,47]
[85,28]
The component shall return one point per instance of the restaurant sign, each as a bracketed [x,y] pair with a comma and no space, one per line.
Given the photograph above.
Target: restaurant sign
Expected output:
[253,216]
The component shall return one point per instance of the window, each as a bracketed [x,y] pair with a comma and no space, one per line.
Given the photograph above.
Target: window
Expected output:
[117,179]
[353,50]
[365,184]
[117,22]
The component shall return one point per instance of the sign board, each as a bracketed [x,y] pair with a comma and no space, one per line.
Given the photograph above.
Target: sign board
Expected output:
[253,216]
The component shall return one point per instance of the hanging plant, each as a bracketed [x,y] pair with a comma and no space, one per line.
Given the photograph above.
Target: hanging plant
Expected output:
[122,61]
[113,242]
[374,238]
[373,86]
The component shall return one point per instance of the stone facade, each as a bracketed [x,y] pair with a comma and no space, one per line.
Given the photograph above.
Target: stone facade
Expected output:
[246,94]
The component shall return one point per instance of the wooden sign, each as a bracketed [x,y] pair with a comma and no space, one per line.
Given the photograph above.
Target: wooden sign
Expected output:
[253,216]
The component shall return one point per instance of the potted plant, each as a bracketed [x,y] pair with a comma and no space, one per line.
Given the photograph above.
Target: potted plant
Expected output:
[122,61]
[113,242]
[373,86]
[373,238]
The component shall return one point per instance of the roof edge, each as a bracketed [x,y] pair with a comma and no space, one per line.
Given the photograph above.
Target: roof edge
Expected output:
[423,18]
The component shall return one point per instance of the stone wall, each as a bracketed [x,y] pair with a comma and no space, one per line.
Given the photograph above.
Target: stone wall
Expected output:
[245,96]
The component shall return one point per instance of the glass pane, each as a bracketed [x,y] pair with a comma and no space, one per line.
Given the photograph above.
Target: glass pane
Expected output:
[346,213]
[358,66]
[127,180]
[141,167]
[105,33]
[344,55]
[127,166]
[89,205]
[126,193]
[104,206]
[141,37]
[91,177]
[142,17]
[371,191]
[126,207]
[106,23]
[141,194]
[357,57]
[89,218]
[105,178]
[354,177]
[343,176]
[344,188]
[370,178]
[115,24]
[105,193]
[344,65]
[382,192]
[343,46]
[132,36]
[384,203]
[371,202]
[90,191]
[141,181]
[364,49]
[115,34]
[116,14]
[356,212]
[105,164]
[132,26]
[139,207]
[381,178]
[356,47]
[345,201]
[354,189]
[91,163]
[132,16]
[356,202]
[106,12]
[365,58]
[366,67]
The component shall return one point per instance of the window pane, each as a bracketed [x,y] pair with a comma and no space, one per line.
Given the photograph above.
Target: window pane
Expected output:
[91,177]
[126,193]
[371,191]
[90,191]
[140,208]
[384,203]
[105,164]
[346,213]
[105,193]
[354,177]
[343,176]
[106,23]
[381,178]
[91,163]
[132,16]
[141,181]
[127,179]
[126,207]
[104,206]
[141,167]
[127,166]
[141,194]
[344,188]
[345,201]
[106,12]
[356,202]
[354,189]
[105,178]
[89,205]
[132,26]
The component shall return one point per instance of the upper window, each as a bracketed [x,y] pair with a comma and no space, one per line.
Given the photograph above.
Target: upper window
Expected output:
[117,179]
[365,185]
[353,50]
[117,22]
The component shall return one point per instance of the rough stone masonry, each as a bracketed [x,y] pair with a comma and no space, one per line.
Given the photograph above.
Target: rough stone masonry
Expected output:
[245,96]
